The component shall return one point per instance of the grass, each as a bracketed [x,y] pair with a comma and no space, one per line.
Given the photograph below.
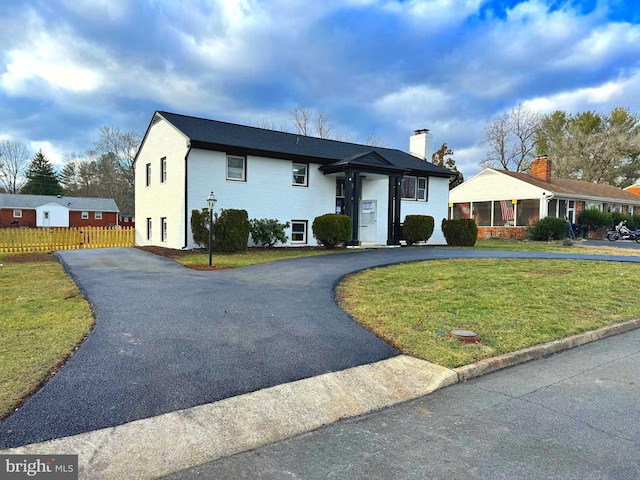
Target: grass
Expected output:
[511,304]
[252,257]
[43,317]
[554,246]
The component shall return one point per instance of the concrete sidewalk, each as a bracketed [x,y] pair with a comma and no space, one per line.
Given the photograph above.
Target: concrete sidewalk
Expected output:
[176,441]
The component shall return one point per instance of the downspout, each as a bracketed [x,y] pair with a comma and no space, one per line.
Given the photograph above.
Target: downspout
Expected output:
[186,197]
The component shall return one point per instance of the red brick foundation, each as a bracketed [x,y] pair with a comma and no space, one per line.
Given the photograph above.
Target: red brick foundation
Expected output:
[515,233]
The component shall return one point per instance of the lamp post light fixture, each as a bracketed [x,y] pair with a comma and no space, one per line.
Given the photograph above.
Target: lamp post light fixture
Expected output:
[211,201]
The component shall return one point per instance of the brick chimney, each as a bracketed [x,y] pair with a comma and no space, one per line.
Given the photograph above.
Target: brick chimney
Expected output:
[541,168]
[421,144]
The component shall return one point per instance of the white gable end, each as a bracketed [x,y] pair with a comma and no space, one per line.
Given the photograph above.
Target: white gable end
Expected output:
[493,185]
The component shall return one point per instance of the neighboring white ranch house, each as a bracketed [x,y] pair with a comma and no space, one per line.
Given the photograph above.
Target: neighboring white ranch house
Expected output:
[504,203]
[289,177]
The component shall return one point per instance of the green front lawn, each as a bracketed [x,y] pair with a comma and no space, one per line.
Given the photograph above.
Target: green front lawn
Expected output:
[43,317]
[555,247]
[511,304]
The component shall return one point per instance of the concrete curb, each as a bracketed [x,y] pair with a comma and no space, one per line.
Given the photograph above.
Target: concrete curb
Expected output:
[158,446]
[510,359]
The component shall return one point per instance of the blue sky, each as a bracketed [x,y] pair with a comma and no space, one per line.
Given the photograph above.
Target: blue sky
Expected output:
[68,67]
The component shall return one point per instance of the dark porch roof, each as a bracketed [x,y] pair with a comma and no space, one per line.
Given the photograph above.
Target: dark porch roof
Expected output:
[244,140]
[371,162]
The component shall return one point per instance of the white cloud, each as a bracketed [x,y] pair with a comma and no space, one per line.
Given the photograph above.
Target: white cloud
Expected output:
[99,9]
[414,106]
[54,153]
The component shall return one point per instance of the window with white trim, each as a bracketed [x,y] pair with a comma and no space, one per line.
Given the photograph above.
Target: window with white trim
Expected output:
[85,215]
[298,231]
[236,168]
[300,174]
[149,229]
[163,229]
[163,169]
[17,213]
[148,171]
[97,215]
[415,188]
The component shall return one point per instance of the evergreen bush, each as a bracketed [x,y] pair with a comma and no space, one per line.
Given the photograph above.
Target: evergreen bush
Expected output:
[200,227]
[417,228]
[332,229]
[460,233]
[231,231]
[549,228]
[268,231]
[594,218]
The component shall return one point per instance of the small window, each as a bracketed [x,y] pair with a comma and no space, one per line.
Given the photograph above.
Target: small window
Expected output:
[97,215]
[17,213]
[163,229]
[163,169]
[148,229]
[409,188]
[300,174]
[298,231]
[422,189]
[148,174]
[85,215]
[236,168]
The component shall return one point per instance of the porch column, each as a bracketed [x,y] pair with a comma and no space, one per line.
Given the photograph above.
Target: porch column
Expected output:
[351,197]
[392,238]
[397,228]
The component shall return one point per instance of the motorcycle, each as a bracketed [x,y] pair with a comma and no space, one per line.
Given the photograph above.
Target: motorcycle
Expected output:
[622,232]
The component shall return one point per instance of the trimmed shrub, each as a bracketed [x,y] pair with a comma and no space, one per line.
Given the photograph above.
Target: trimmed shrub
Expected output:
[417,228]
[549,228]
[460,233]
[268,231]
[594,218]
[231,231]
[332,229]
[200,227]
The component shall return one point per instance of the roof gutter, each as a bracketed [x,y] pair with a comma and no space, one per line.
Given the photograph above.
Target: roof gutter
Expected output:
[186,197]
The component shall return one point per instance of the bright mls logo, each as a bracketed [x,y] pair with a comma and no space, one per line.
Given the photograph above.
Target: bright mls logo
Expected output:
[51,467]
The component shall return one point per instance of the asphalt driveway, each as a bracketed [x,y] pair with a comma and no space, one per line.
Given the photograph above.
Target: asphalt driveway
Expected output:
[170,338]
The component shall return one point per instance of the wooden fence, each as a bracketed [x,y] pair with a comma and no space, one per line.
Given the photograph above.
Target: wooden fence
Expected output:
[50,239]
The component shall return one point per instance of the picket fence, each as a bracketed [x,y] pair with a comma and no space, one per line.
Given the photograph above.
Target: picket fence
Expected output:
[13,240]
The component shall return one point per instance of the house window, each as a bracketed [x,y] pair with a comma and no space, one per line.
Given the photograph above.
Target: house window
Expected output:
[300,174]
[236,168]
[415,188]
[17,213]
[85,215]
[423,189]
[148,229]
[163,229]
[97,215]
[163,169]
[482,213]
[528,212]
[298,231]
[148,174]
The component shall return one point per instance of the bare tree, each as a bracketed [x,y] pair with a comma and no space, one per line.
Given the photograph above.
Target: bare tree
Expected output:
[322,126]
[14,158]
[270,124]
[374,140]
[511,139]
[301,117]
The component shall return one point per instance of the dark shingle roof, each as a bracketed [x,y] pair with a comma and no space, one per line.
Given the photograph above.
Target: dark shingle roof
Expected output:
[575,187]
[10,200]
[213,134]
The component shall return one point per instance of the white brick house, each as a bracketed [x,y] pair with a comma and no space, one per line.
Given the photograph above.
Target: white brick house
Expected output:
[290,177]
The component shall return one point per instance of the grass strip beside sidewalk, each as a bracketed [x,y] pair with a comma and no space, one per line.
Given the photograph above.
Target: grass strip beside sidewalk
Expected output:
[512,304]
[43,317]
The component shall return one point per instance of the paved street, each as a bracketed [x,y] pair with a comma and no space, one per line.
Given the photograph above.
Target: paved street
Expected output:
[574,415]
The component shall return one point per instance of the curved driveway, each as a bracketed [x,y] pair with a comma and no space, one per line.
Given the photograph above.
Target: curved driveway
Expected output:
[170,338]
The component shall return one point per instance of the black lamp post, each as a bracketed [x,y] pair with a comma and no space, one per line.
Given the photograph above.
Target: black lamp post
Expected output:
[211,201]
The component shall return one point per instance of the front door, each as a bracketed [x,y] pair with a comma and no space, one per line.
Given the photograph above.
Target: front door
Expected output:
[368,224]
[45,219]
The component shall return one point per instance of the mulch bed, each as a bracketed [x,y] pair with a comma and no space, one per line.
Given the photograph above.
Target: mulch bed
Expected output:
[29,257]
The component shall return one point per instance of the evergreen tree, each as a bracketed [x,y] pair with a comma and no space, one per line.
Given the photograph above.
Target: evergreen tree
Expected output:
[41,177]
[442,157]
